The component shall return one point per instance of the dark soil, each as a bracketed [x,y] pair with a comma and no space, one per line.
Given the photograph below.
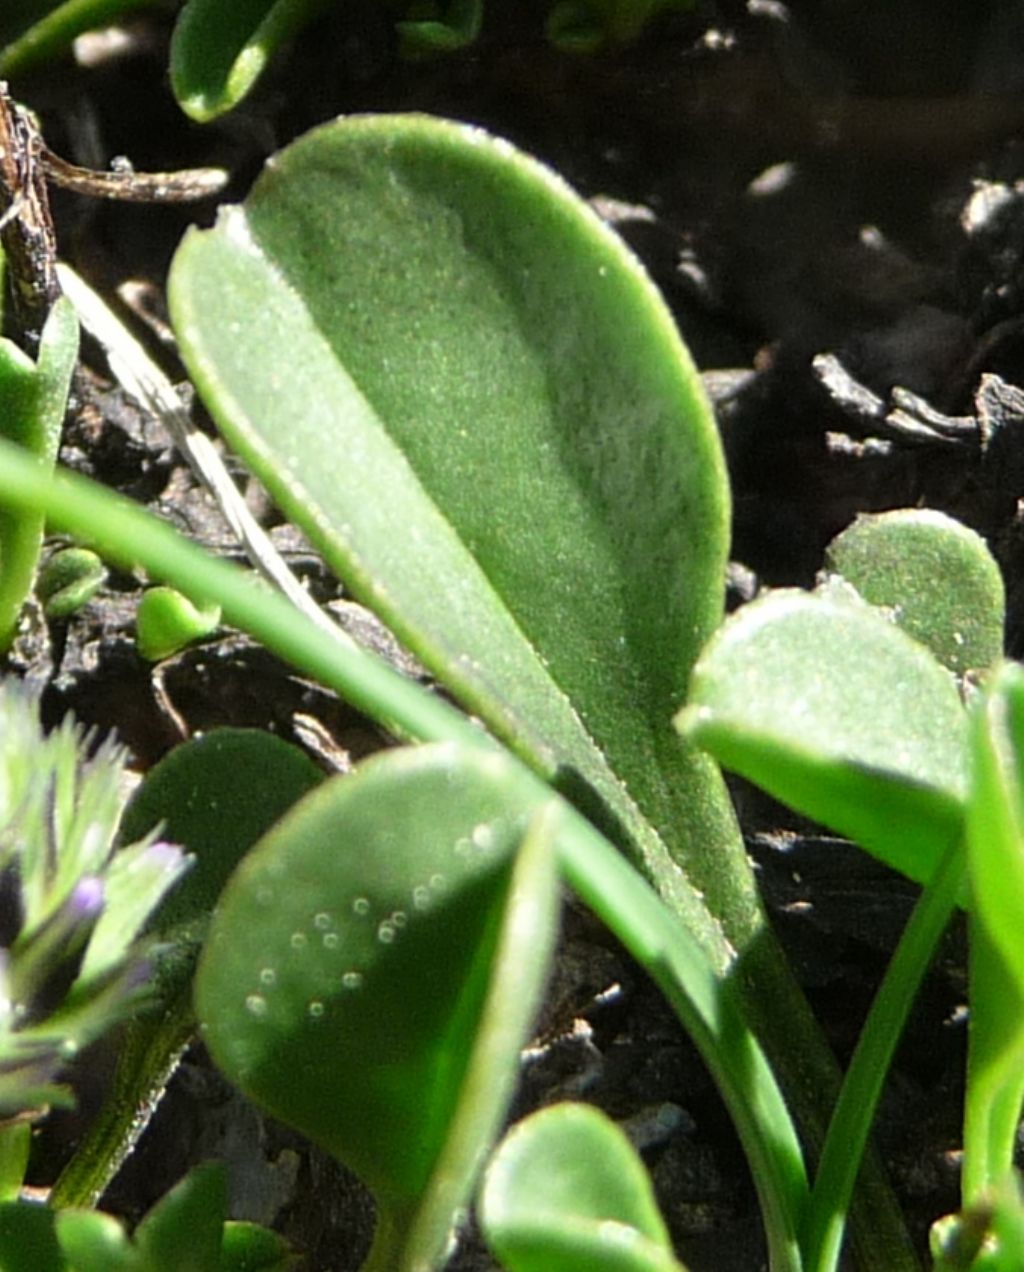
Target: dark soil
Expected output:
[818,177]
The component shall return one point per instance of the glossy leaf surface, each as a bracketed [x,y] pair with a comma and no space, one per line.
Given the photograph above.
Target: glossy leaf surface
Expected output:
[472,398]
[566,1190]
[221,47]
[835,711]
[373,967]
[935,575]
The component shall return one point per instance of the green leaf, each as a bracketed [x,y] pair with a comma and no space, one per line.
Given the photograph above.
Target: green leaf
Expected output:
[464,388]
[584,26]
[247,1247]
[95,1242]
[166,622]
[15,1141]
[28,1242]
[69,580]
[33,398]
[440,28]
[183,1231]
[31,31]
[373,967]
[836,712]
[995,813]
[936,576]
[995,847]
[216,796]
[566,1190]
[220,48]
[473,399]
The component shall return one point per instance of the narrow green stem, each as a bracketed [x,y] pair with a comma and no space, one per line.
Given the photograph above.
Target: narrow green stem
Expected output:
[127,535]
[709,1008]
[150,1050]
[995,1067]
[854,1113]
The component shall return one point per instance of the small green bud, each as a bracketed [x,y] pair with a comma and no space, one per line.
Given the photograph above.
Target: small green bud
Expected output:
[167,621]
[69,580]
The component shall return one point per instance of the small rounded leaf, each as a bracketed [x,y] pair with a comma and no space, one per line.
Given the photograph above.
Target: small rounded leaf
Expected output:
[69,580]
[220,50]
[936,576]
[184,1230]
[373,967]
[838,713]
[216,795]
[167,621]
[566,1190]
[95,1242]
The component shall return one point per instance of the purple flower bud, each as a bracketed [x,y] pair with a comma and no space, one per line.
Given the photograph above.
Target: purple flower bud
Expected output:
[85,901]
[170,859]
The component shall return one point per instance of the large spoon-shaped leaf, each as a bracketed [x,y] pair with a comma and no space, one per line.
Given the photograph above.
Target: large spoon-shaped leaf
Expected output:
[467,391]
[936,576]
[837,712]
[567,1190]
[372,970]
[463,386]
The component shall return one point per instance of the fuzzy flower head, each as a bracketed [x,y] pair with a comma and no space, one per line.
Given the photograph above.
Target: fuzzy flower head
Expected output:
[71,907]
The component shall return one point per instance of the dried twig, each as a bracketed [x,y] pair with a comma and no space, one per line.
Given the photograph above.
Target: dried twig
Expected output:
[26,227]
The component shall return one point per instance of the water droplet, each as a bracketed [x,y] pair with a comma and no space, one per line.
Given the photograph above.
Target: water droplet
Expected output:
[268,976]
[483,835]
[331,940]
[436,882]
[385,933]
[316,1008]
[361,906]
[322,921]
[256,1005]
[399,919]
[352,980]
[299,941]
[420,897]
